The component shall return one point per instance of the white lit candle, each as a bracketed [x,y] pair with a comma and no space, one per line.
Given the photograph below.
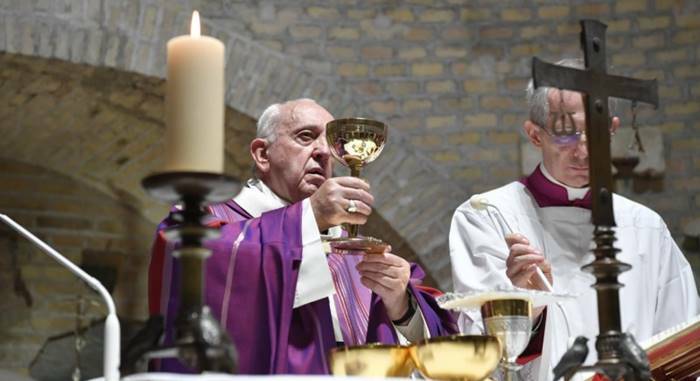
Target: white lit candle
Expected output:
[195,103]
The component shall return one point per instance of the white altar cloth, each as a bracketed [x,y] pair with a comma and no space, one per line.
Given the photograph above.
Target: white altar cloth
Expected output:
[227,377]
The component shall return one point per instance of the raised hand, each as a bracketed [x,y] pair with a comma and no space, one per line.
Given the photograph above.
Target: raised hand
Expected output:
[522,262]
[331,203]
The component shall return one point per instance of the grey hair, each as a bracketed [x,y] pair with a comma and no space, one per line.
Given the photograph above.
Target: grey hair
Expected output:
[267,123]
[537,99]
[270,119]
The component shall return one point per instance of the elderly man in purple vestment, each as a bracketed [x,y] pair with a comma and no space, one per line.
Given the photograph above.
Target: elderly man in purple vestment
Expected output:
[550,217]
[284,300]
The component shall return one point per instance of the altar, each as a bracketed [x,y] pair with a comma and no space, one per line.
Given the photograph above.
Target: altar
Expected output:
[227,377]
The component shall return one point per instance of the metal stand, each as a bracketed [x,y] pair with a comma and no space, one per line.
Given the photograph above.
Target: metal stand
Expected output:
[200,341]
[618,353]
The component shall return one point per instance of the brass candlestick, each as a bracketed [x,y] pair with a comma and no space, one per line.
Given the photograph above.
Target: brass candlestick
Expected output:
[199,341]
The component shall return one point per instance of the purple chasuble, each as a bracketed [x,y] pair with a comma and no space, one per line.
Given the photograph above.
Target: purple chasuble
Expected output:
[250,282]
[547,193]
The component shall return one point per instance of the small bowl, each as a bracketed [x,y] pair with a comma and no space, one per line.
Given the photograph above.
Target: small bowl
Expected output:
[371,360]
[457,357]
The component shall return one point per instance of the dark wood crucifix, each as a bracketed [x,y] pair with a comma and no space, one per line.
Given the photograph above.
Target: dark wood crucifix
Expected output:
[617,352]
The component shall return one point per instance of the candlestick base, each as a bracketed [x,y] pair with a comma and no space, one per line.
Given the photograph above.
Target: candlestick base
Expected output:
[202,344]
[621,358]
[199,340]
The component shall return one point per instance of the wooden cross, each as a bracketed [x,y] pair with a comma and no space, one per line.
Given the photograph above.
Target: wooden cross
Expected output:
[597,86]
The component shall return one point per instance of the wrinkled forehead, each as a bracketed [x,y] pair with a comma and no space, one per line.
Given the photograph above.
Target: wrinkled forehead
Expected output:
[304,114]
[571,101]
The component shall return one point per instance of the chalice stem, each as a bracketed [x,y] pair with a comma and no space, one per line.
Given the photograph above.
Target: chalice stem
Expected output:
[510,371]
[354,230]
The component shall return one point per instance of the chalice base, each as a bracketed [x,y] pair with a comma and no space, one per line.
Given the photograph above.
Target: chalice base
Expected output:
[358,245]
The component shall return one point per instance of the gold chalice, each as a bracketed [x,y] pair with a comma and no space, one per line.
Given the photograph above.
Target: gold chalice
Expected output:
[457,357]
[372,360]
[355,142]
[510,321]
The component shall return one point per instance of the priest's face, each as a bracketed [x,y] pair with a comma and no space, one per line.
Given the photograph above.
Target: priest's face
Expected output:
[299,159]
[564,157]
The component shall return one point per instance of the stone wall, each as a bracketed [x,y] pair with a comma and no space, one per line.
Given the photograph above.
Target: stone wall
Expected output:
[450,74]
[101,125]
[38,297]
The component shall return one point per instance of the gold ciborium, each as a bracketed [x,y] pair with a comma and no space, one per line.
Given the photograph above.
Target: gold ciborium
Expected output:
[510,321]
[372,360]
[355,142]
[457,357]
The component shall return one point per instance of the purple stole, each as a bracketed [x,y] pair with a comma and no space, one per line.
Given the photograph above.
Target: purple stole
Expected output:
[352,299]
[547,193]
[250,285]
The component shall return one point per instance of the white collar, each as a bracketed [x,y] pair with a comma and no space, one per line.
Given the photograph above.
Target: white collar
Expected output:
[257,198]
[571,192]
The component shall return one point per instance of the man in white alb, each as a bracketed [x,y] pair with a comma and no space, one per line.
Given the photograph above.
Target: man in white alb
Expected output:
[549,211]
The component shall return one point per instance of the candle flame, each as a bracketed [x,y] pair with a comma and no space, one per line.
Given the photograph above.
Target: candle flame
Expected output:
[194,27]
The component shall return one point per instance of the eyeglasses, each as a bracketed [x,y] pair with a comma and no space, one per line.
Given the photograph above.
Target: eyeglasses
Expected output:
[563,128]
[566,128]
[566,139]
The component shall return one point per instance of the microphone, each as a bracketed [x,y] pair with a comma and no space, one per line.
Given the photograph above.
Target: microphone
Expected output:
[479,202]
[111,339]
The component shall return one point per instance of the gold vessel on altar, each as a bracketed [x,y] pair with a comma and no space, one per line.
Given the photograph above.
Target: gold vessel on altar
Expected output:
[371,360]
[457,357]
[510,320]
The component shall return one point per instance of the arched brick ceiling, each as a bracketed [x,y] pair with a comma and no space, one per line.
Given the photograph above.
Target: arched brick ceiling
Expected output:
[101,126]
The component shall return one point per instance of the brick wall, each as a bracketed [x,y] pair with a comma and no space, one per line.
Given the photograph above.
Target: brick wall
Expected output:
[102,125]
[87,226]
[451,74]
